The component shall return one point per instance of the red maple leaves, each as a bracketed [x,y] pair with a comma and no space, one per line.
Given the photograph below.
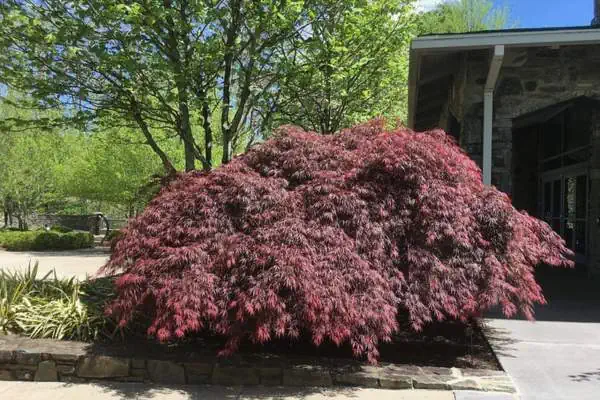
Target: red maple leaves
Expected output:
[330,236]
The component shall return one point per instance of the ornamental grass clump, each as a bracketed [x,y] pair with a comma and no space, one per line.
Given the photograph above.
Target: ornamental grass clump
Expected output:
[332,237]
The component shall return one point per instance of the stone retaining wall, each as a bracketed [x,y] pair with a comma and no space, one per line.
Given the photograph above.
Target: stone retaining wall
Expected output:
[50,360]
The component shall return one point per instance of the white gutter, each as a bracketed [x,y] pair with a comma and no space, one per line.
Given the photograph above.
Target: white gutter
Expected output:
[488,111]
[484,40]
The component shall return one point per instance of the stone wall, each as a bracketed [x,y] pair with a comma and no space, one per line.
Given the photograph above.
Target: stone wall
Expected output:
[75,222]
[530,79]
[76,362]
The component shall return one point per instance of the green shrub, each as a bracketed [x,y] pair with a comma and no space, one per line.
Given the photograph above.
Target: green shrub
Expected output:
[54,308]
[113,236]
[45,240]
[11,229]
[61,229]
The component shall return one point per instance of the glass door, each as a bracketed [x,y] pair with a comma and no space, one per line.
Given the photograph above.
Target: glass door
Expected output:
[565,204]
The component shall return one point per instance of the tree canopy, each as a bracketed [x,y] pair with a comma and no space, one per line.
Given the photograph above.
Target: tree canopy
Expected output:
[457,16]
[212,73]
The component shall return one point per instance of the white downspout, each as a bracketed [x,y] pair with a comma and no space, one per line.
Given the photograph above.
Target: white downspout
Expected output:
[488,111]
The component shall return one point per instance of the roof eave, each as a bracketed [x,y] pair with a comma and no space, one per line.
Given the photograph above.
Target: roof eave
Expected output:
[483,40]
[513,39]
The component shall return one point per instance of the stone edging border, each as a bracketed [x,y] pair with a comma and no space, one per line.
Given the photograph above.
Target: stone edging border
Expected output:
[47,360]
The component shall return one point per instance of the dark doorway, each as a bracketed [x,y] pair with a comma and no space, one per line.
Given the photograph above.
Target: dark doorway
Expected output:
[551,156]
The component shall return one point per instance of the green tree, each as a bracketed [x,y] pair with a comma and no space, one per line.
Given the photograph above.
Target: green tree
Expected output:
[110,167]
[458,16]
[155,64]
[350,64]
[28,161]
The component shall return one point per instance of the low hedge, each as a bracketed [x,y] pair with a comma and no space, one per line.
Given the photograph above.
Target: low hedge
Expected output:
[61,229]
[44,240]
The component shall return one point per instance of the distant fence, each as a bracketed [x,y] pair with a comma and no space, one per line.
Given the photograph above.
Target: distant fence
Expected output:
[75,222]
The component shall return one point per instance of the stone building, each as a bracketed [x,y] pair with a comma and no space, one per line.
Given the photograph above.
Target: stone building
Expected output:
[525,105]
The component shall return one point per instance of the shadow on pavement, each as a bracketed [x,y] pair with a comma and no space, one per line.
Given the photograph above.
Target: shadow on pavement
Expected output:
[209,392]
[586,376]
[93,252]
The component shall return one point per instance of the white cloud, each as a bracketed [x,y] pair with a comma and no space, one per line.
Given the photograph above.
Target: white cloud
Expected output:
[426,5]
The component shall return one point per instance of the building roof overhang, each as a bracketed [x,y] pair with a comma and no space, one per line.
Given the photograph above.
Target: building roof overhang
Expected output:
[454,44]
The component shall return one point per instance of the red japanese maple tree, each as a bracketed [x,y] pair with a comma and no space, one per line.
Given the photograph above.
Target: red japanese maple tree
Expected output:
[333,237]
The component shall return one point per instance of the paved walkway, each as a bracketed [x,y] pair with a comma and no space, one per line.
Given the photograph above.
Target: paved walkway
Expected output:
[557,357]
[79,263]
[59,391]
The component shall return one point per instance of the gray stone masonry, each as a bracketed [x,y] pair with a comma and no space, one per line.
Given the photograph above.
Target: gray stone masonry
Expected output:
[76,362]
[530,79]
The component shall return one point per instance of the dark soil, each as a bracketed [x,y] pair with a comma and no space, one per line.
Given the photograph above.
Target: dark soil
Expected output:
[448,344]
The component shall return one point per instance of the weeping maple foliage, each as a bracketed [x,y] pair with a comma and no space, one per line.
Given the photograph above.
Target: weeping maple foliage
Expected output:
[332,237]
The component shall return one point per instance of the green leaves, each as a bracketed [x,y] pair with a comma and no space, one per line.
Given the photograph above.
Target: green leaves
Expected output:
[464,16]
[344,68]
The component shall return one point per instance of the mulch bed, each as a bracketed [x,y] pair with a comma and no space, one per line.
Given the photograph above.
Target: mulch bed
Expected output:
[447,344]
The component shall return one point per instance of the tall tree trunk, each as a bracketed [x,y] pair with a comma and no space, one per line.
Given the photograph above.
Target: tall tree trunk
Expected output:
[231,36]
[186,134]
[208,136]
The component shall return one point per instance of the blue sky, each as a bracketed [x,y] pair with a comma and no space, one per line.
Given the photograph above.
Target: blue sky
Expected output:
[543,13]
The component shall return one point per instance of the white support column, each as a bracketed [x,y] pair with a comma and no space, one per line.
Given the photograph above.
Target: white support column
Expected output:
[488,116]
[488,111]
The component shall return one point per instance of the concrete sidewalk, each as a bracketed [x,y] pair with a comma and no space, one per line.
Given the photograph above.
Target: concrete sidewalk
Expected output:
[549,360]
[557,357]
[78,263]
[60,391]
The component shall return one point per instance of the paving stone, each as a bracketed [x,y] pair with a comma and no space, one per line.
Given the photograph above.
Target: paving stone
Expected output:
[230,375]
[46,372]
[137,379]
[471,395]
[102,367]
[24,375]
[165,372]
[138,363]
[6,356]
[437,371]
[271,376]
[138,372]
[14,367]
[307,375]
[497,384]
[395,381]
[465,384]
[65,369]
[358,378]
[196,379]
[482,372]
[432,382]
[199,368]
[6,375]
[73,379]
[65,358]
[22,357]
[406,370]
